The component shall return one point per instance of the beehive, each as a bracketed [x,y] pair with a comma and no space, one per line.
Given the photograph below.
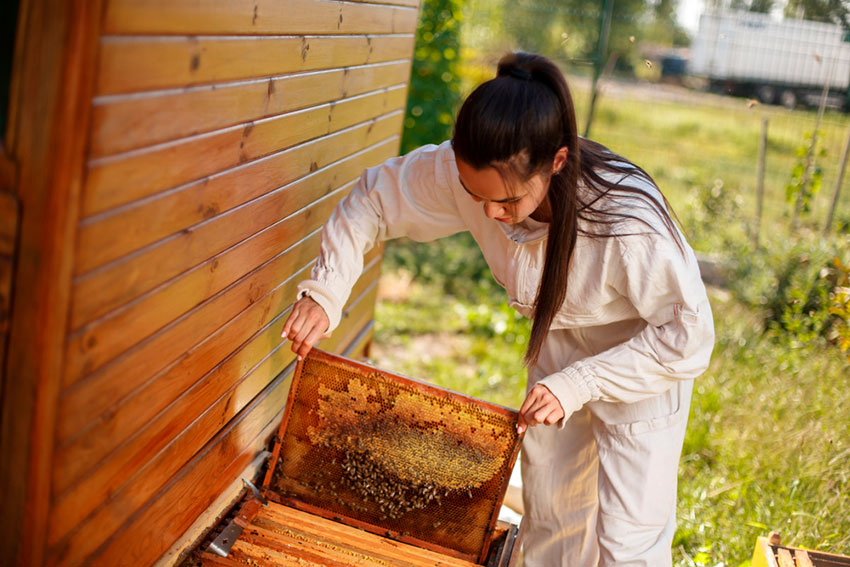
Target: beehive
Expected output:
[770,553]
[399,458]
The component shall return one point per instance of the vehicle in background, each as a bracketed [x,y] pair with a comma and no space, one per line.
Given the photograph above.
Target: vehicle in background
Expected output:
[776,61]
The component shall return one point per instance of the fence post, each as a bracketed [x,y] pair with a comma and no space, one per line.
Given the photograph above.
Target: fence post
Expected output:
[602,47]
[760,180]
[828,226]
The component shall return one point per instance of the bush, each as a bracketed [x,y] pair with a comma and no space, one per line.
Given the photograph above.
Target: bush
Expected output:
[454,264]
[800,286]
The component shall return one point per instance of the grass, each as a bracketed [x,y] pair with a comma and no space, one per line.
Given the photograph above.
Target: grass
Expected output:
[768,444]
[687,147]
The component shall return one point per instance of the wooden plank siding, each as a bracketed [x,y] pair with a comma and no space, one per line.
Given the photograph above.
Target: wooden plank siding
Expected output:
[220,136]
[50,107]
[148,63]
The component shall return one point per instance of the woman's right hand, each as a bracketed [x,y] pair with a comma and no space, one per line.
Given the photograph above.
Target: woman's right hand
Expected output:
[307,323]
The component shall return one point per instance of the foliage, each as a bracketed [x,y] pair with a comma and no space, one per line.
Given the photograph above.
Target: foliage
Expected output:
[454,265]
[767,443]
[568,30]
[434,82]
[796,283]
[807,174]
[834,11]
[766,447]
[711,210]
[840,306]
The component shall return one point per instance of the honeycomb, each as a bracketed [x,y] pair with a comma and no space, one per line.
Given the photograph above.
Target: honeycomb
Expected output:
[395,454]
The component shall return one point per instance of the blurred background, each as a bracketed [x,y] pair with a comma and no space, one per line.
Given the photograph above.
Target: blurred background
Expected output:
[738,109]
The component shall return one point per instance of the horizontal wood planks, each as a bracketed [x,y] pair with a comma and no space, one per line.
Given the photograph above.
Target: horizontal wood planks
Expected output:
[139,64]
[256,17]
[222,136]
[123,123]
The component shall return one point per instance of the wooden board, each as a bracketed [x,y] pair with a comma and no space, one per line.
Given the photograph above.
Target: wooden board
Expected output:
[220,185]
[272,222]
[281,536]
[115,182]
[100,455]
[49,109]
[139,492]
[257,17]
[124,122]
[141,63]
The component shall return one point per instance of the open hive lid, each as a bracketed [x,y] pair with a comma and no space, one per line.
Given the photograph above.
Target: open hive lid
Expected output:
[393,456]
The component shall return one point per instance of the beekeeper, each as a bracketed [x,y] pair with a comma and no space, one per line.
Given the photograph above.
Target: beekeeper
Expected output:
[583,242]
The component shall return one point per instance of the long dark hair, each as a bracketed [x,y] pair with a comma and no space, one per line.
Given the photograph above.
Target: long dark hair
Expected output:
[516,123]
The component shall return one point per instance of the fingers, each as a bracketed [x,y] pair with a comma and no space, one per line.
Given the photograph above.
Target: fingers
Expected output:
[539,407]
[306,325]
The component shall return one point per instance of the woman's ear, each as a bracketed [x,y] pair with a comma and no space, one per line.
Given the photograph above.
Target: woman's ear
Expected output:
[560,159]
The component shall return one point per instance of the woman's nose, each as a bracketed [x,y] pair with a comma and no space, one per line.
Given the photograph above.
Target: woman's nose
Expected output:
[493,210]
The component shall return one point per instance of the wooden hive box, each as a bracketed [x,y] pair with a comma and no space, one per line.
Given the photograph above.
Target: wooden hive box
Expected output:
[370,469]
[769,552]
[165,170]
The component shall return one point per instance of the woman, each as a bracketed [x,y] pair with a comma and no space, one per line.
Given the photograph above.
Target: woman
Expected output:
[583,243]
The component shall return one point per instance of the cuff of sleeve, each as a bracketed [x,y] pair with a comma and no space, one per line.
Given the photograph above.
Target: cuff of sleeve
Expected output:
[573,388]
[326,300]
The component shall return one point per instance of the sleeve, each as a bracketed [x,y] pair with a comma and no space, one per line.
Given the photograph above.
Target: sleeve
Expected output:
[405,196]
[665,287]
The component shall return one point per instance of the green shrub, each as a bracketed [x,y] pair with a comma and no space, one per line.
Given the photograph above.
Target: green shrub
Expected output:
[454,264]
[798,284]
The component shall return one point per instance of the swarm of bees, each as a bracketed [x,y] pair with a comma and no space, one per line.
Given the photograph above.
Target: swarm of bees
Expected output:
[393,496]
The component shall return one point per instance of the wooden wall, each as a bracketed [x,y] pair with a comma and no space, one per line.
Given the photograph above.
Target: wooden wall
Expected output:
[218,137]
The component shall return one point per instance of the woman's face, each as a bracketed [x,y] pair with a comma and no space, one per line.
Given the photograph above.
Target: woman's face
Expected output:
[504,204]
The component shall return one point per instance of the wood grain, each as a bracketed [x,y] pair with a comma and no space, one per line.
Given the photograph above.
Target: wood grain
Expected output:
[132,418]
[216,400]
[119,180]
[288,533]
[784,558]
[121,123]
[198,331]
[276,215]
[185,496]
[138,63]
[256,17]
[110,236]
[52,84]
[801,556]
[8,222]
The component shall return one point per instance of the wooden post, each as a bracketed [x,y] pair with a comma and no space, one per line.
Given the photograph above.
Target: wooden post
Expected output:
[837,190]
[760,181]
[602,47]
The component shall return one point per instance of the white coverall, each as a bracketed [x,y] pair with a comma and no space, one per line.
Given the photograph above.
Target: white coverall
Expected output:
[634,330]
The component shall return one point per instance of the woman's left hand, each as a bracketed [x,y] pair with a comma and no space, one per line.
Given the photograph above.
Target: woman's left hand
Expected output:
[540,406]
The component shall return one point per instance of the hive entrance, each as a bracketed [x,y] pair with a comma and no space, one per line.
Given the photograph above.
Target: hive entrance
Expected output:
[393,455]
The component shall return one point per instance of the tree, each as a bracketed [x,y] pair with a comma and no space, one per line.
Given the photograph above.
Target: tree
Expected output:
[434,82]
[833,11]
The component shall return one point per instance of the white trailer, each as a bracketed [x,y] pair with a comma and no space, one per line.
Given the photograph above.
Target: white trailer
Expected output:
[787,61]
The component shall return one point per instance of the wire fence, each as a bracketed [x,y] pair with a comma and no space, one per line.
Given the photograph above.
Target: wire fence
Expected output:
[683,132]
